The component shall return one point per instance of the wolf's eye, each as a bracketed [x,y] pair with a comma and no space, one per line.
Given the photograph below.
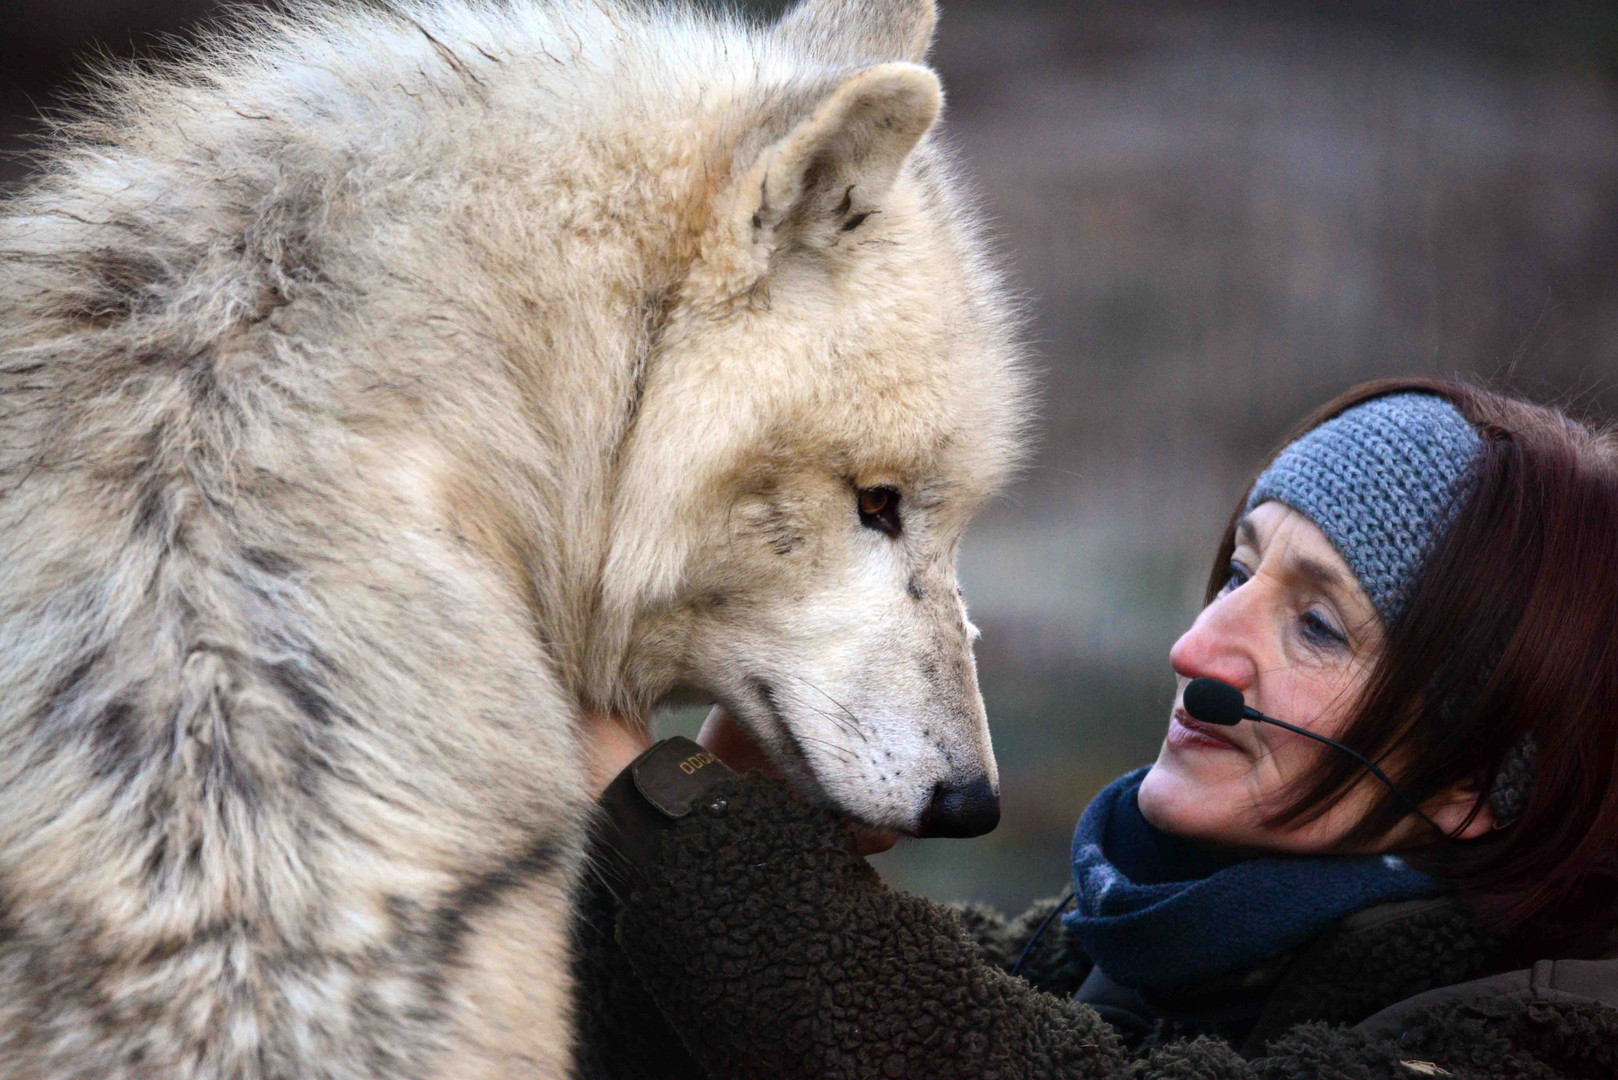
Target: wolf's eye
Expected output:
[879,510]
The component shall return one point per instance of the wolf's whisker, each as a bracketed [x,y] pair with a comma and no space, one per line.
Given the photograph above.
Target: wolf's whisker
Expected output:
[853,723]
[848,756]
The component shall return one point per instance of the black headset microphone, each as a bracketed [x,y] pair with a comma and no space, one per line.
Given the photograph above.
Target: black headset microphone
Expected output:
[1214,702]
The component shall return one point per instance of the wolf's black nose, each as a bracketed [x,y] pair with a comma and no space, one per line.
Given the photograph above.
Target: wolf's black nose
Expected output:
[969,810]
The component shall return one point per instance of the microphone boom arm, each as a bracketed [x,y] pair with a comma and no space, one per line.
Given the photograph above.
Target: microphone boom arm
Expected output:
[1410,804]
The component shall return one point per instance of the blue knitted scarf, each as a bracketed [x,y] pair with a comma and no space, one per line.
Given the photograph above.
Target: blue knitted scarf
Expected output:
[1156,912]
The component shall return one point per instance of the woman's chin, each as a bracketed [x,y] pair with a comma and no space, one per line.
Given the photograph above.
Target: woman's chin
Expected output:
[1156,798]
[1176,800]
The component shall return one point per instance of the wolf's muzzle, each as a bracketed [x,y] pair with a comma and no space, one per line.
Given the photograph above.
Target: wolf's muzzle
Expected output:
[969,810]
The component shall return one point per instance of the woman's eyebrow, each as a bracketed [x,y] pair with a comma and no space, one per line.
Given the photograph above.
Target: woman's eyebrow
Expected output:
[1321,575]
[1245,533]
[1317,572]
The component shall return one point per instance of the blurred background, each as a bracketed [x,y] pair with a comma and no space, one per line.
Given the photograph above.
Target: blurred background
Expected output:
[1220,214]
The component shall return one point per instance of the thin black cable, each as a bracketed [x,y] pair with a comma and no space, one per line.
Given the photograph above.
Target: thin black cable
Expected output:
[1214,701]
[1054,913]
[1410,804]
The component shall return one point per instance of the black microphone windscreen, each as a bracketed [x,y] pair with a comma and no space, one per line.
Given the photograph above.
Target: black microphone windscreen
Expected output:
[1213,702]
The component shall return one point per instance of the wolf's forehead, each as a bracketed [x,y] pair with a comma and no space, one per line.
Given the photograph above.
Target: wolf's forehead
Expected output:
[951,444]
[930,400]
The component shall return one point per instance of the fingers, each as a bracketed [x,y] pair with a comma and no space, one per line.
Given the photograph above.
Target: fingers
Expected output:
[610,743]
[872,841]
[725,739]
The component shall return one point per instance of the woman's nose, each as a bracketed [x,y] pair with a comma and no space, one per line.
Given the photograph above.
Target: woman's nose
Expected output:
[1222,642]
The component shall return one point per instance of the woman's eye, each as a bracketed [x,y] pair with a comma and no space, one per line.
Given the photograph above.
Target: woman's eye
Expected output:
[1235,575]
[879,509]
[1320,632]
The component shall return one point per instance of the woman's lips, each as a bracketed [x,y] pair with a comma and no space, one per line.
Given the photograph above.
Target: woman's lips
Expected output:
[1184,731]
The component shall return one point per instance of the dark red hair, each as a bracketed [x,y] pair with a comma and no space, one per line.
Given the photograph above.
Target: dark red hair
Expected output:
[1511,632]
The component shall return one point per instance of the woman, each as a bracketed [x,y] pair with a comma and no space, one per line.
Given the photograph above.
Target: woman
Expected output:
[1427,573]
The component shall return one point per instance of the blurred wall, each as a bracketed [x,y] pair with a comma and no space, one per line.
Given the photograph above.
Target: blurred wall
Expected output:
[1219,214]
[1224,214]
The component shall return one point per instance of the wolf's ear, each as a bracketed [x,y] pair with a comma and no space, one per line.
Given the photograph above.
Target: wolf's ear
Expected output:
[835,169]
[851,31]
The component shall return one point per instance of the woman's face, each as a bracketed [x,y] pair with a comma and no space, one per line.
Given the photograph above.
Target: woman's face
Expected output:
[1293,630]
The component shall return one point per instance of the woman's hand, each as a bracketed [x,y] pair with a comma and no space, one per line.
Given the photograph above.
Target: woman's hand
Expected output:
[724,739]
[610,744]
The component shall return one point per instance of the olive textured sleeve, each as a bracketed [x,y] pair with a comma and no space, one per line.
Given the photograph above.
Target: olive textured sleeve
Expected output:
[620,1035]
[773,950]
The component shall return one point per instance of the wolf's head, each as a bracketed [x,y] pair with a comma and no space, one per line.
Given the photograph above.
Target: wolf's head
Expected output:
[832,393]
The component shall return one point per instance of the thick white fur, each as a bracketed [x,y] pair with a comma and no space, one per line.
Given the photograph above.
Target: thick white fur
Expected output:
[381,386]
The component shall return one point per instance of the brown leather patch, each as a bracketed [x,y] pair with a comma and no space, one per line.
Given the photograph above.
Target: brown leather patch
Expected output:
[674,774]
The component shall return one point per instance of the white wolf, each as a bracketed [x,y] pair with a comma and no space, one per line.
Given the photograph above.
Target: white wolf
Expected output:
[384,385]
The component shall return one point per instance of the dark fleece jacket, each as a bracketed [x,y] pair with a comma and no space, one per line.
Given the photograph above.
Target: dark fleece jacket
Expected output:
[763,947]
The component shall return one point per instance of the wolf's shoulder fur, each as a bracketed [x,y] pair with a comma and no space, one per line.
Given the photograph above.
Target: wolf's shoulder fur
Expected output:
[360,421]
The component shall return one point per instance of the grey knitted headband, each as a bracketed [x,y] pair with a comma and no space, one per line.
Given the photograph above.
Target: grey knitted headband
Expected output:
[1382,481]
